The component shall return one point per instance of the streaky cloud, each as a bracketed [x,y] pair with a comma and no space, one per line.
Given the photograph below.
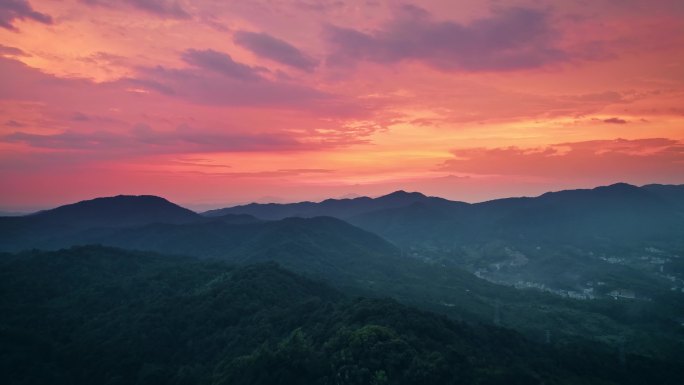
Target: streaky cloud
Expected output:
[221,63]
[619,158]
[13,10]
[275,49]
[512,39]
[163,8]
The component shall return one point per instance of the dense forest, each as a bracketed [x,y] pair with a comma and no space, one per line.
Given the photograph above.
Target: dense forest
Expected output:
[100,315]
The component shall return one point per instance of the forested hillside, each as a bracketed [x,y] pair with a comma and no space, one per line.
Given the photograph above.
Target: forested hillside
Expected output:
[99,315]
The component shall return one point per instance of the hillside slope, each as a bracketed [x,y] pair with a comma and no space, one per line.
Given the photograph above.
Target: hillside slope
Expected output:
[98,315]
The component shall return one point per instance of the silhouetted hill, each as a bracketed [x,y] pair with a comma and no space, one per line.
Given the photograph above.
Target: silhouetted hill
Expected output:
[236,219]
[610,213]
[94,315]
[119,211]
[671,193]
[616,213]
[339,208]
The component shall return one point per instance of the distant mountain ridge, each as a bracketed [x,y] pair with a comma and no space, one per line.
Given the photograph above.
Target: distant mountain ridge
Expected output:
[602,208]
[347,208]
[339,208]
[566,239]
[671,193]
[618,210]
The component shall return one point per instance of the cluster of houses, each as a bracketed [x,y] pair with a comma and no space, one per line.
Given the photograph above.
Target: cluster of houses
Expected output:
[584,294]
[622,293]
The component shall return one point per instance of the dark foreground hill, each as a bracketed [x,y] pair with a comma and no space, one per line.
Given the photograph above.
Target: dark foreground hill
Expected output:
[98,315]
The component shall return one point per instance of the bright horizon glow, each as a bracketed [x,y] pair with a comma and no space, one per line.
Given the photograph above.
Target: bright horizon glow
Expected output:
[216,103]
[202,207]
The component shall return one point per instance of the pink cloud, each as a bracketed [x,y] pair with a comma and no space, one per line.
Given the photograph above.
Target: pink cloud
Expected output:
[614,121]
[12,10]
[275,49]
[74,121]
[162,8]
[512,39]
[220,63]
[142,139]
[11,51]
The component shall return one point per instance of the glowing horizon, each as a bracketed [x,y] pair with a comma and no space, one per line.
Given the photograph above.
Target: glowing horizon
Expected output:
[210,103]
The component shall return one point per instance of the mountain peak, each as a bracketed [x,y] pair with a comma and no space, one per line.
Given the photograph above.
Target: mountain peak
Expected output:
[624,190]
[615,188]
[403,194]
[120,210]
[128,198]
[118,200]
[620,186]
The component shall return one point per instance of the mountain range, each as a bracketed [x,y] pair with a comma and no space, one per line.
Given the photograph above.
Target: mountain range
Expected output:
[597,264]
[620,211]
[564,240]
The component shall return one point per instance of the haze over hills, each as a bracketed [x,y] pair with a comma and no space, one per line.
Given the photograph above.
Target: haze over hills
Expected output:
[506,240]
[566,239]
[324,246]
[620,212]
[12,214]
[617,196]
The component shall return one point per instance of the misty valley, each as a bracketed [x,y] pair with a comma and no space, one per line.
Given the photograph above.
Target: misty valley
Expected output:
[570,287]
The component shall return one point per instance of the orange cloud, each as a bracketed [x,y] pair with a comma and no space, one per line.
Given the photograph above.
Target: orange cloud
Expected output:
[640,160]
[13,10]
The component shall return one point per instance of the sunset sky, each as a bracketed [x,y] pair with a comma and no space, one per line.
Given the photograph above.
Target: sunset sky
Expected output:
[210,103]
